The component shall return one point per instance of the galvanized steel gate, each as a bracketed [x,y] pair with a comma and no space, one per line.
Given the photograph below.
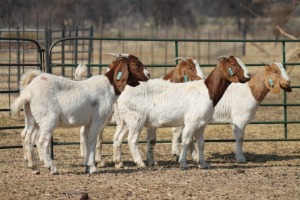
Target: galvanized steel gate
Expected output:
[177,48]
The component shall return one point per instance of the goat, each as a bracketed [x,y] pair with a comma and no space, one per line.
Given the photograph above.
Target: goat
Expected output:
[25,80]
[70,103]
[247,96]
[159,103]
[187,70]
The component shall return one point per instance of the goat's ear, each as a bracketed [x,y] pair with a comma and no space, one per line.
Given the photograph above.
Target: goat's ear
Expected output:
[271,81]
[228,71]
[121,75]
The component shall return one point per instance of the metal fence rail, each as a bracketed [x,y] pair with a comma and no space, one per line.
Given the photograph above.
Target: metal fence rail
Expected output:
[178,47]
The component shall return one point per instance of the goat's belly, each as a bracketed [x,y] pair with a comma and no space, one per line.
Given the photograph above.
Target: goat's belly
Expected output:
[164,122]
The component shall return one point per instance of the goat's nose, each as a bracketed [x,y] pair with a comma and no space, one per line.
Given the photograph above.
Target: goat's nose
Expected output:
[289,82]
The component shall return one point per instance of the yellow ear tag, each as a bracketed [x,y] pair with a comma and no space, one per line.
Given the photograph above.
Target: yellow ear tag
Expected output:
[119,76]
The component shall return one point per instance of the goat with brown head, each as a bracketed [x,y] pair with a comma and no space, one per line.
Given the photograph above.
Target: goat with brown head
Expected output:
[126,69]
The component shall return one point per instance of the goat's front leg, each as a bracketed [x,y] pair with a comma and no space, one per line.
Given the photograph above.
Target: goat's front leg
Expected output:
[187,137]
[91,145]
[239,130]
[133,146]
[151,140]
[199,137]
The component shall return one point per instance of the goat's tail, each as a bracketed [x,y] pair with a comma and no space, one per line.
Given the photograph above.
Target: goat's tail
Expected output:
[24,96]
[19,103]
[28,77]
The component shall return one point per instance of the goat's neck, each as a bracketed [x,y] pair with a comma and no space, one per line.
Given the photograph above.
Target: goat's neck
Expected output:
[216,84]
[258,87]
[110,76]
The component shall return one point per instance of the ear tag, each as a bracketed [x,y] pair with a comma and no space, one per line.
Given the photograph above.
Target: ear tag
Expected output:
[185,78]
[230,71]
[119,76]
[271,82]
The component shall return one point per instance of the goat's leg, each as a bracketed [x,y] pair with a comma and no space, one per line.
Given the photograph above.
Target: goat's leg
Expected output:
[151,140]
[239,130]
[199,137]
[121,131]
[44,141]
[23,135]
[176,132]
[94,129]
[99,159]
[82,142]
[133,146]
[187,137]
[29,149]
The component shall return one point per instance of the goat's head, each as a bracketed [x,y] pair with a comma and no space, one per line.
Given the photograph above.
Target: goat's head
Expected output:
[276,77]
[188,70]
[234,69]
[128,69]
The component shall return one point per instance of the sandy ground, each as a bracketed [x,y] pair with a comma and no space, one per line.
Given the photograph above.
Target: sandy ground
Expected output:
[272,172]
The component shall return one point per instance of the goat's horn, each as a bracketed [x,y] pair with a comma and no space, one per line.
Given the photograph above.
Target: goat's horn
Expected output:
[118,55]
[181,58]
[222,57]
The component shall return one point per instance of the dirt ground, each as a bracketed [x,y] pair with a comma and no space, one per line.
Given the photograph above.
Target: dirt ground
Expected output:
[272,172]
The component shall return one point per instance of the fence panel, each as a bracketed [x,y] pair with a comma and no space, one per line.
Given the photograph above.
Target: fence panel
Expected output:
[275,113]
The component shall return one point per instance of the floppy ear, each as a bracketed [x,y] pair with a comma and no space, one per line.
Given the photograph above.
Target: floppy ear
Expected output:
[121,75]
[228,71]
[181,71]
[272,84]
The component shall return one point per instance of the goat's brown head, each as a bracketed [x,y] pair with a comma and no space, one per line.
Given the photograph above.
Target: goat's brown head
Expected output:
[234,69]
[127,69]
[187,70]
[276,78]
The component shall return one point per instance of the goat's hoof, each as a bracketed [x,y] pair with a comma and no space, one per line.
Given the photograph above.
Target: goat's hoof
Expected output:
[93,169]
[36,171]
[152,163]
[203,166]
[177,157]
[101,163]
[86,169]
[241,160]
[54,170]
[141,165]
[184,166]
[119,165]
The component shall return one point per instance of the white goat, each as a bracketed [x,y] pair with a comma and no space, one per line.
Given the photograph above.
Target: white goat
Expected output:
[187,70]
[50,101]
[247,96]
[159,103]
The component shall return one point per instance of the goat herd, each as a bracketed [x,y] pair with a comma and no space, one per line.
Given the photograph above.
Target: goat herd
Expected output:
[184,99]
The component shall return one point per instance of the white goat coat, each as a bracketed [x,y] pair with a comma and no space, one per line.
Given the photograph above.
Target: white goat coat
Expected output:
[237,105]
[70,103]
[159,103]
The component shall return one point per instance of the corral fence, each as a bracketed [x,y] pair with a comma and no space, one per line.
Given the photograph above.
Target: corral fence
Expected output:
[158,54]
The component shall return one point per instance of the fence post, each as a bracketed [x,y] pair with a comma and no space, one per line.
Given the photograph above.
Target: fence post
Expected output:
[284,95]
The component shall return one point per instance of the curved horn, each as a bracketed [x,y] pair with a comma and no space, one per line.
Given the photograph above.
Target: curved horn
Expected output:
[181,58]
[222,57]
